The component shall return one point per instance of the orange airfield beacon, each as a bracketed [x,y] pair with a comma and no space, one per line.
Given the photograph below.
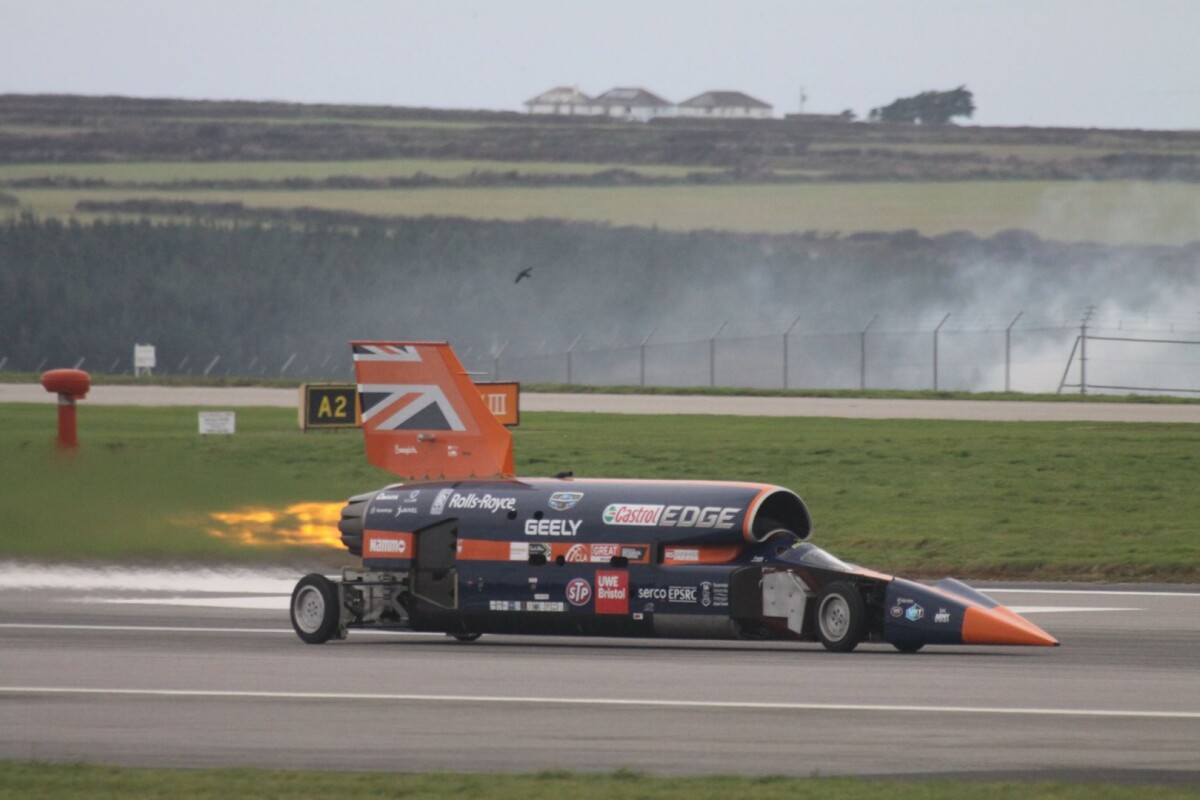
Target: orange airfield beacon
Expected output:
[466,548]
[70,385]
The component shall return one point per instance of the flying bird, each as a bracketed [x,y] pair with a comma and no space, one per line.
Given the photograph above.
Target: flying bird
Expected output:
[525,273]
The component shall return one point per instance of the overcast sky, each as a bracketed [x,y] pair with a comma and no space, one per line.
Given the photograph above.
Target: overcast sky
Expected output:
[1088,63]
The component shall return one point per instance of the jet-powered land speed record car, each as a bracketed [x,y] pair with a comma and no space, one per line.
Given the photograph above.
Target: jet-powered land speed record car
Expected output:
[465,548]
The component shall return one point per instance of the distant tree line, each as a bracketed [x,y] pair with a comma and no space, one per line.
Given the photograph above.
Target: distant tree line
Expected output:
[306,281]
[928,108]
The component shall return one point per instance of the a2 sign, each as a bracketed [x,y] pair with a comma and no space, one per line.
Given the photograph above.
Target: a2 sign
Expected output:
[336,405]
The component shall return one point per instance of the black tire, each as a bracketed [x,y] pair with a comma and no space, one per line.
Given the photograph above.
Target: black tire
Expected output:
[908,647]
[466,637]
[841,617]
[314,609]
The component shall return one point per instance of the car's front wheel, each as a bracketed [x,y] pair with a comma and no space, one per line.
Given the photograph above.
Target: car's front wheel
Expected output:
[841,617]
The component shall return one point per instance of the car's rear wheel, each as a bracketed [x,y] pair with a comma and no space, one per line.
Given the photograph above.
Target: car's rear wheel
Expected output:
[466,637]
[841,617]
[315,609]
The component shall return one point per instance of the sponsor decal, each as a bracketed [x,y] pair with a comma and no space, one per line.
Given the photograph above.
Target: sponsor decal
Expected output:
[552,527]
[539,549]
[713,594]
[542,605]
[631,514]
[439,502]
[648,515]
[633,553]
[565,501]
[533,605]
[914,613]
[387,545]
[413,496]
[541,597]
[406,510]
[388,496]
[603,553]
[404,451]
[481,502]
[612,592]
[652,593]
[518,551]
[577,554]
[942,616]
[681,594]
[579,592]
[452,450]
[897,611]
[638,615]
[682,554]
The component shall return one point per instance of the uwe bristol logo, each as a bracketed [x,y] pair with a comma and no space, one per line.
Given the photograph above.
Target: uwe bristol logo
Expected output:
[579,592]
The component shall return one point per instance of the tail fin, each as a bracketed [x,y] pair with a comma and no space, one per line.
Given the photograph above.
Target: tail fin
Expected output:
[423,417]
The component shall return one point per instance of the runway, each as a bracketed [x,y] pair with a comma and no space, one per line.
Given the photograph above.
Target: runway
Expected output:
[141,667]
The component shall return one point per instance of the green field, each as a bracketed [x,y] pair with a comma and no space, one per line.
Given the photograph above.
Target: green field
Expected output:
[33,781]
[1079,501]
[1110,212]
[79,781]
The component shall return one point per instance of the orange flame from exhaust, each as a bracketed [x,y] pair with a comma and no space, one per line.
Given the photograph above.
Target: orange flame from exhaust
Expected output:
[304,524]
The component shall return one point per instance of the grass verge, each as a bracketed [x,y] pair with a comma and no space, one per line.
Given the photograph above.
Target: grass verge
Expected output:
[32,781]
[1076,501]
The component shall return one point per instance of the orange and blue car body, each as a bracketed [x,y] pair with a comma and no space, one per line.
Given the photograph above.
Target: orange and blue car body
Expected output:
[465,548]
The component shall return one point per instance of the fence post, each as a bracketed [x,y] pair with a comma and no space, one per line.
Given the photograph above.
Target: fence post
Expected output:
[862,355]
[712,355]
[287,363]
[496,360]
[1087,316]
[642,355]
[1008,349]
[571,350]
[785,350]
[935,350]
[3,361]
[79,363]
[111,370]
[213,363]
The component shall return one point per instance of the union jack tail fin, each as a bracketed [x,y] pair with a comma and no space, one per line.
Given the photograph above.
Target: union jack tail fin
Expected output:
[423,417]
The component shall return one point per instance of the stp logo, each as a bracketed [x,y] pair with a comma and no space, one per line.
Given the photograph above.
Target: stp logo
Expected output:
[579,592]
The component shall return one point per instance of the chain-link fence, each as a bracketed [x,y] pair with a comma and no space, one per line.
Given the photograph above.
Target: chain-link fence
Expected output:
[1021,353]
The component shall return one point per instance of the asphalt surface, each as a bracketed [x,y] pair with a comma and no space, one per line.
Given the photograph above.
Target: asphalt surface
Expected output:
[861,408]
[141,668]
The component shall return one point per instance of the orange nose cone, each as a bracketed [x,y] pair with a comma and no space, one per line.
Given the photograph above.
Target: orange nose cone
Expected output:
[1002,626]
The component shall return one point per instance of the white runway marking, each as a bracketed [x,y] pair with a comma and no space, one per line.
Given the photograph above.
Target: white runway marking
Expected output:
[259,603]
[193,629]
[1061,609]
[1097,592]
[606,701]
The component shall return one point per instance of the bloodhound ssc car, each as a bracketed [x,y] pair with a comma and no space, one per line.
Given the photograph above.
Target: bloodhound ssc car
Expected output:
[463,547]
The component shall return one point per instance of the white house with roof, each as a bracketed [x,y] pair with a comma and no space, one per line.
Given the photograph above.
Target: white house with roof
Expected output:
[725,105]
[566,100]
[634,103]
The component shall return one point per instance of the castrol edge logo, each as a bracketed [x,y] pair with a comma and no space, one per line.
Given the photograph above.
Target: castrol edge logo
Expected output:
[387,545]
[647,515]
